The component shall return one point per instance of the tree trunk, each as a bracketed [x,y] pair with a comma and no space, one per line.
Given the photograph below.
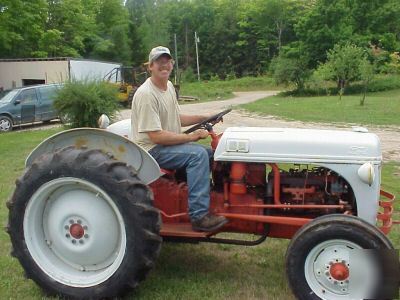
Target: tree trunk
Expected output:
[341,91]
[362,101]
[186,46]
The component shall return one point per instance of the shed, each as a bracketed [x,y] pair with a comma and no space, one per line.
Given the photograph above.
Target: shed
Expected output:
[29,71]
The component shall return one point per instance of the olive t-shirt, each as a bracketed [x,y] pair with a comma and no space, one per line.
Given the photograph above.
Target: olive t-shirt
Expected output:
[152,110]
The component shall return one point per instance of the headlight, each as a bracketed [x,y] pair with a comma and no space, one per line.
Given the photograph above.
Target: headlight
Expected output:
[366,173]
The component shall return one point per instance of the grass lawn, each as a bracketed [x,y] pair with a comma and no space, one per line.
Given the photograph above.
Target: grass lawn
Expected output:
[183,271]
[223,89]
[382,108]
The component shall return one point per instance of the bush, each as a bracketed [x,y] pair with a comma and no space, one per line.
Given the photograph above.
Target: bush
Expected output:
[188,75]
[83,102]
[290,70]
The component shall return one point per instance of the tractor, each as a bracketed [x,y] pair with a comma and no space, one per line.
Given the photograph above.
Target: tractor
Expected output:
[128,80]
[89,214]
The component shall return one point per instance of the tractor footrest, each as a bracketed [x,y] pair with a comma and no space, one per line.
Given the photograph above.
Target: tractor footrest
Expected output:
[183,230]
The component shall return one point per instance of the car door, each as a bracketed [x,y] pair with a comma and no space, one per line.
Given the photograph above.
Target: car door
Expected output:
[28,100]
[47,96]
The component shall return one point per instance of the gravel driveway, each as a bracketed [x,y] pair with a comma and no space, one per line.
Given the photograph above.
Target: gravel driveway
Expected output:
[389,135]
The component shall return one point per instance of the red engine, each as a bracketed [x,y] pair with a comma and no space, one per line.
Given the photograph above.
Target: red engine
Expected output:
[254,194]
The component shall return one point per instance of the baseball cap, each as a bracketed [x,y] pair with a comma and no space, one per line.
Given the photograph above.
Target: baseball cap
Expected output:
[157,52]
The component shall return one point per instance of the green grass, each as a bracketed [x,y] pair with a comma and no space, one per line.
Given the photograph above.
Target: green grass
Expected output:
[381,108]
[183,271]
[223,89]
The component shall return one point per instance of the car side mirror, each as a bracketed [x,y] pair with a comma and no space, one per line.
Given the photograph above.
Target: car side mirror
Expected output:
[16,102]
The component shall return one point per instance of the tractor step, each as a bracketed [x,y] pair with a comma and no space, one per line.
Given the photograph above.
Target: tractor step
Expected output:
[182,230]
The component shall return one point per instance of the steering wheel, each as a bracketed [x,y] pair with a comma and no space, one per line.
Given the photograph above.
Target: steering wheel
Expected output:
[205,124]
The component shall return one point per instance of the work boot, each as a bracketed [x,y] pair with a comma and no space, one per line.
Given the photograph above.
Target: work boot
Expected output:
[209,223]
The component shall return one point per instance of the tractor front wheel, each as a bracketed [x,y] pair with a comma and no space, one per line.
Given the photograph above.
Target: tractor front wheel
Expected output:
[326,259]
[82,225]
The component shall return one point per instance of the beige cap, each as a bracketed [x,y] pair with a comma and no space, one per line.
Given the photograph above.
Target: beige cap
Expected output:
[157,52]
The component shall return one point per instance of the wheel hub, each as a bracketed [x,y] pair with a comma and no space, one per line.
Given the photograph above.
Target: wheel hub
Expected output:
[328,269]
[4,125]
[339,271]
[76,231]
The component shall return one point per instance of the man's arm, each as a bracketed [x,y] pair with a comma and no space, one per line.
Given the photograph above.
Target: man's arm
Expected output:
[187,120]
[164,137]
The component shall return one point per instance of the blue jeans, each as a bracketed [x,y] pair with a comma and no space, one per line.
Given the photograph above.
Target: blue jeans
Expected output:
[195,159]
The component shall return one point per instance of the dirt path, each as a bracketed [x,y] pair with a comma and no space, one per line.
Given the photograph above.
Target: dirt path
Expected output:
[390,136]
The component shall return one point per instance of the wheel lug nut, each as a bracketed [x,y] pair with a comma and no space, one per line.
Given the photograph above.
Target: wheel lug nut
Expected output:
[71,221]
[67,235]
[73,241]
[79,221]
[81,241]
[66,227]
[86,236]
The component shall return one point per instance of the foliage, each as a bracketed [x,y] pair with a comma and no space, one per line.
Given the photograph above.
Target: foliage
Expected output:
[393,66]
[82,102]
[74,28]
[343,65]
[188,75]
[321,77]
[359,22]
[288,70]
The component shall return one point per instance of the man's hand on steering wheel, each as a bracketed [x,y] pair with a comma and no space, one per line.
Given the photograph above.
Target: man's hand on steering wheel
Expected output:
[199,134]
[214,119]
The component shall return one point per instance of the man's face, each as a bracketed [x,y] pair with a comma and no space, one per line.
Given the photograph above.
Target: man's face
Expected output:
[162,67]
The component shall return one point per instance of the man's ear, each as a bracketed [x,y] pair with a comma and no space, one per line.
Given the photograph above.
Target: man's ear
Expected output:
[149,66]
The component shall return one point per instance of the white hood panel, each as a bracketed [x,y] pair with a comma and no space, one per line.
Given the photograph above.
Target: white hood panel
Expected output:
[258,144]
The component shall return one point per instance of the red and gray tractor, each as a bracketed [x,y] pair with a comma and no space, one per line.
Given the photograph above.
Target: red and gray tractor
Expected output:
[89,214]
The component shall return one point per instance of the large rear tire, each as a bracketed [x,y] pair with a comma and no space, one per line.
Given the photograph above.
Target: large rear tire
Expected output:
[324,259]
[82,225]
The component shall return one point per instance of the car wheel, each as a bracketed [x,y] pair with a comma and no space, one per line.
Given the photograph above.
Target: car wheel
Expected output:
[6,124]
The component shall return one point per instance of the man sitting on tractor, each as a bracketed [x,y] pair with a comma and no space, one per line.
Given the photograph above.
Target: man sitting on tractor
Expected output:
[156,126]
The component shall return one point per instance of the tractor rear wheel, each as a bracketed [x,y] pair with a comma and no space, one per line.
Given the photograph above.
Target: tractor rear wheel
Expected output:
[82,225]
[325,260]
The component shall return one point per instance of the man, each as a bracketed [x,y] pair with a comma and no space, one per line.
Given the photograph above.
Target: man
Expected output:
[156,126]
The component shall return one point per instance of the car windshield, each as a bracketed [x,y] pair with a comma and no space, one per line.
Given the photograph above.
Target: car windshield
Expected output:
[8,97]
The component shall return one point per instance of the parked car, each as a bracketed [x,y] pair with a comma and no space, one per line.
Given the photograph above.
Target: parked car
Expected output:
[28,105]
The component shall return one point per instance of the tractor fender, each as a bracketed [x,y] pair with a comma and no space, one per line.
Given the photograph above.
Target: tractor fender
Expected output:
[118,146]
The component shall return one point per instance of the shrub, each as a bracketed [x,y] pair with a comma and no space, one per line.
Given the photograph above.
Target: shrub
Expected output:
[188,75]
[290,70]
[83,102]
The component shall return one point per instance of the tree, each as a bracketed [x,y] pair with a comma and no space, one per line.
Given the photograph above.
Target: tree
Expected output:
[367,74]
[21,23]
[344,62]
[359,22]
[290,70]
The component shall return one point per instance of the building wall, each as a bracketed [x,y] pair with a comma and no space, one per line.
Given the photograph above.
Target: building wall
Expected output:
[13,72]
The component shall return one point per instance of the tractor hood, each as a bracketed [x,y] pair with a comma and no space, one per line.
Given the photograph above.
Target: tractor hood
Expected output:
[255,144]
